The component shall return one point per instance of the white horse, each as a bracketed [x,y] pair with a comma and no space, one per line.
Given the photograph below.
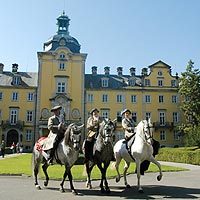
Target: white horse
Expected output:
[67,153]
[141,149]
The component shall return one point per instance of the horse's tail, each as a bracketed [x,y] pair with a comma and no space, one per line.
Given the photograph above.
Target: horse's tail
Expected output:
[112,165]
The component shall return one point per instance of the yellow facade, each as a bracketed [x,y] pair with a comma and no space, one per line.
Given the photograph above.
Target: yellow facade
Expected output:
[61,80]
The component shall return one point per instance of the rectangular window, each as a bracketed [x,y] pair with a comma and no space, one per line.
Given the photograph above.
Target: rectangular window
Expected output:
[29,116]
[104,82]
[134,116]
[61,87]
[30,96]
[147,82]
[160,83]
[147,99]
[176,135]
[1,96]
[105,113]
[15,96]
[62,66]
[119,98]
[13,116]
[175,118]
[133,98]
[174,99]
[162,118]
[160,98]
[147,115]
[104,98]
[162,135]
[173,83]
[28,135]
[90,98]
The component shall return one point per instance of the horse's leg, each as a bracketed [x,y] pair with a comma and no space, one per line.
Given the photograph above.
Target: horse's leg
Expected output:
[44,167]
[36,165]
[88,170]
[71,182]
[118,160]
[63,180]
[105,179]
[138,162]
[126,166]
[102,177]
[153,160]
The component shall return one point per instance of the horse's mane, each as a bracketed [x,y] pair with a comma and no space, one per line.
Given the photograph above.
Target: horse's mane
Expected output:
[67,134]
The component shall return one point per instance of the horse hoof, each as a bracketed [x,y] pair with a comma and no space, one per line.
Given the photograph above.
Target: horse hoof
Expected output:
[74,192]
[103,190]
[89,186]
[117,180]
[128,186]
[45,183]
[38,187]
[108,190]
[159,178]
[141,191]
[62,190]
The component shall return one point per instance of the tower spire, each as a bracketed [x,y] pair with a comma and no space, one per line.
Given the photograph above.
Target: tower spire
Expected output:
[63,24]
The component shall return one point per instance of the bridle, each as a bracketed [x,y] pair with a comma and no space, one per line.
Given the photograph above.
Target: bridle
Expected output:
[148,132]
[107,131]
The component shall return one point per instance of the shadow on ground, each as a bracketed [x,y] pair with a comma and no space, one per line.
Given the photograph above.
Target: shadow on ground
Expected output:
[150,192]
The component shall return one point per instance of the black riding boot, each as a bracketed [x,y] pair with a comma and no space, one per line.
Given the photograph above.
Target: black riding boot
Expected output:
[52,151]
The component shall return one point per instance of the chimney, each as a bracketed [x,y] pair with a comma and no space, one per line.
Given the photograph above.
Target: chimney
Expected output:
[132,71]
[144,71]
[107,70]
[119,71]
[94,70]
[1,68]
[14,67]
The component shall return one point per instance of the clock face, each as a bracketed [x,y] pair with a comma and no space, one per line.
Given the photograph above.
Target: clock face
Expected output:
[45,113]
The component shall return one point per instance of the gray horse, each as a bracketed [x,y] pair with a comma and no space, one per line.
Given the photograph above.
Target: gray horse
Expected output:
[67,153]
[102,154]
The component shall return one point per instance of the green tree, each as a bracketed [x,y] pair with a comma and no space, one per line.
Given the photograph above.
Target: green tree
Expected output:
[189,89]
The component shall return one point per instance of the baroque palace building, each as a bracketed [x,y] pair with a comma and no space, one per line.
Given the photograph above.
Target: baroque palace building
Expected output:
[27,97]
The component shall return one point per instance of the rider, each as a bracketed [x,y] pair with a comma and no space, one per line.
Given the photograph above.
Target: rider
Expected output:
[128,124]
[53,125]
[93,125]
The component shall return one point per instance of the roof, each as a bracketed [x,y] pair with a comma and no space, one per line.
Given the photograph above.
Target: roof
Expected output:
[115,81]
[28,79]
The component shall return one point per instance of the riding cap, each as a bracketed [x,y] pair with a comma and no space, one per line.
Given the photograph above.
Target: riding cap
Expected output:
[124,111]
[56,108]
[93,110]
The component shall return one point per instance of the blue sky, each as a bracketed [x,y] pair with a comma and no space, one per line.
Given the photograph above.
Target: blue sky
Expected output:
[125,33]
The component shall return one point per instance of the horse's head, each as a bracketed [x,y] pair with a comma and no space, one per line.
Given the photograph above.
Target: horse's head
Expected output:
[106,130]
[145,131]
[74,135]
[148,131]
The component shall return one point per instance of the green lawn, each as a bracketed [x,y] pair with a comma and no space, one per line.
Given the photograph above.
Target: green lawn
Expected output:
[22,165]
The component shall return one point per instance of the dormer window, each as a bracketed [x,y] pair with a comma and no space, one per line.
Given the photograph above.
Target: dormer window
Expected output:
[104,82]
[131,82]
[62,56]
[160,73]
[16,80]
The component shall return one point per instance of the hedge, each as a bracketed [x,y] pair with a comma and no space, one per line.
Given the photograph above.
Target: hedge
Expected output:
[189,155]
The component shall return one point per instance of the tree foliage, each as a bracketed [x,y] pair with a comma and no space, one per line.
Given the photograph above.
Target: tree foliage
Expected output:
[189,89]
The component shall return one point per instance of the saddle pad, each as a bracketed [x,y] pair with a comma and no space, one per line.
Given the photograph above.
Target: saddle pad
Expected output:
[46,143]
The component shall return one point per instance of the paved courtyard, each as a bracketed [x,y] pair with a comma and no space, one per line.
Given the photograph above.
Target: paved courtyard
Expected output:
[174,185]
